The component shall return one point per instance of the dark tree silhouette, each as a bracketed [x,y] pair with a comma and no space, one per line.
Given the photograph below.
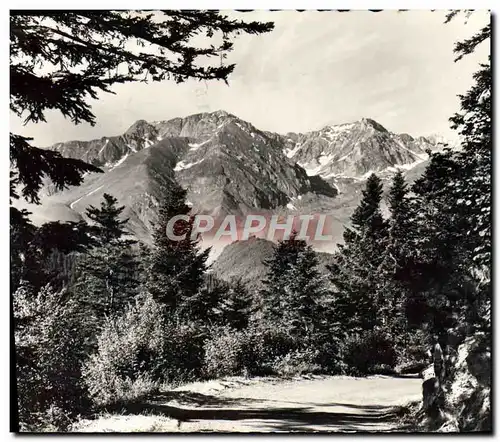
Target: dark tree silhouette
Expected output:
[109,226]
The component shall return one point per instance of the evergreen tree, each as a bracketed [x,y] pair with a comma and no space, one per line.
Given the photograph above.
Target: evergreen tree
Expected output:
[473,192]
[107,279]
[274,294]
[107,275]
[33,248]
[400,251]
[109,226]
[356,271]
[205,306]
[237,305]
[177,267]
[367,218]
[452,276]
[306,289]
[353,276]
[293,287]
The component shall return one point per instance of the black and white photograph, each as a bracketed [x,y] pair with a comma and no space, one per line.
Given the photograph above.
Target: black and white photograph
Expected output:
[250,221]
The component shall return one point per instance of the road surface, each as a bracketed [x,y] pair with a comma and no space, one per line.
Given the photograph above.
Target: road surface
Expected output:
[335,403]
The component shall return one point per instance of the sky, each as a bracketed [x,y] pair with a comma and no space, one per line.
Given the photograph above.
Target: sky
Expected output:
[314,69]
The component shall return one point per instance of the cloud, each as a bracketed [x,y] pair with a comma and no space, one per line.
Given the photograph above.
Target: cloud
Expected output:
[315,68]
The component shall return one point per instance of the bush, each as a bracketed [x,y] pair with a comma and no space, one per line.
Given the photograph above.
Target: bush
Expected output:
[328,356]
[226,353]
[271,341]
[49,351]
[368,351]
[129,354]
[412,353]
[182,357]
[296,363]
[253,351]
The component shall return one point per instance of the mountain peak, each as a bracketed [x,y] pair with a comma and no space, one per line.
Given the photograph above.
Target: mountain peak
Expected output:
[140,126]
[221,113]
[372,123]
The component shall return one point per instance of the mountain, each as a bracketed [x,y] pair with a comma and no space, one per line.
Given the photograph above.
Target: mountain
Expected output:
[231,167]
[227,165]
[245,260]
[355,150]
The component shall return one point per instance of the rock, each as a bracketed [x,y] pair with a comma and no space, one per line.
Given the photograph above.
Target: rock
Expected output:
[433,398]
[468,393]
[428,373]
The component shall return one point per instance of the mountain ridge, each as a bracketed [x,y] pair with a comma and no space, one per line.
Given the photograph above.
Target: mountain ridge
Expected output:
[331,160]
[229,166]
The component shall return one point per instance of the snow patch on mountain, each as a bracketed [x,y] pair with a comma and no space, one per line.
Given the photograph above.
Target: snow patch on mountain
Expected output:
[196,146]
[120,161]
[104,145]
[291,152]
[182,165]
[88,194]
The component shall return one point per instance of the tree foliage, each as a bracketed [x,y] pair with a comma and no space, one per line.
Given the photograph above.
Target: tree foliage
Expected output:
[108,274]
[108,225]
[293,289]
[356,271]
[177,266]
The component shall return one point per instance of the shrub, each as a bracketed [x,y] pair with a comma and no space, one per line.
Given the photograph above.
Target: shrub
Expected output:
[182,357]
[129,354]
[369,350]
[412,353]
[296,362]
[328,357]
[225,352]
[48,355]
[271,341]
[261,350]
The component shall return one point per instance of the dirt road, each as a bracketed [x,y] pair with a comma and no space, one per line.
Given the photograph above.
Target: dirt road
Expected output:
[335,403]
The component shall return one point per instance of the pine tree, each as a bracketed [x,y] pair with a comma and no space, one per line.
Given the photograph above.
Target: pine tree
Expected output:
[367,218]
[356,271]
[236,306]
[177,267]
[355,288]
[205,306]
[453,272]
[306,288]
[109,226]
[107,279]
[274,295]
[108,274]
[473,194]
[399,254]
[33,248]
[293,287]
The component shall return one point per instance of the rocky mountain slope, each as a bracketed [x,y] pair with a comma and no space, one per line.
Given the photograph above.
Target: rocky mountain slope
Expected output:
[227,165]
[231,167]
[355,150]
[245,260]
